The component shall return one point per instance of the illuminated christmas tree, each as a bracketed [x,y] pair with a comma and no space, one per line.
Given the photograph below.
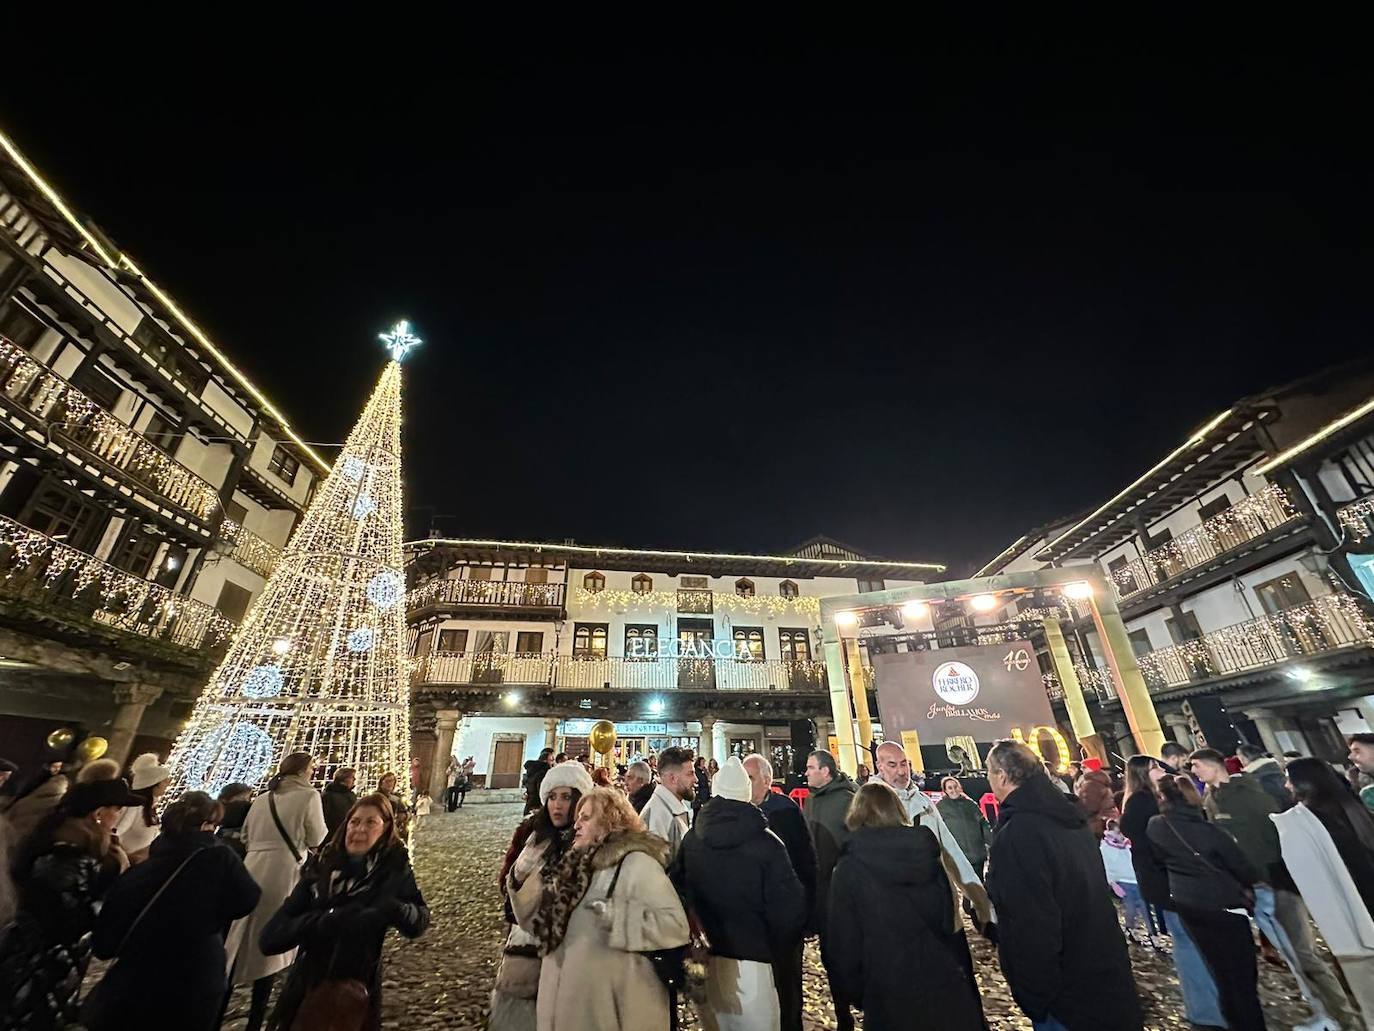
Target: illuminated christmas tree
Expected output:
[319,664]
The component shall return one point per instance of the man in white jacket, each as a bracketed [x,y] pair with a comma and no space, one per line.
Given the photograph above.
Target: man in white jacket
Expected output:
[667,812]
[894,769]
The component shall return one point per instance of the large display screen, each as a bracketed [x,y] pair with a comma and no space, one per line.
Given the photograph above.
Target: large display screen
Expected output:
[961,699]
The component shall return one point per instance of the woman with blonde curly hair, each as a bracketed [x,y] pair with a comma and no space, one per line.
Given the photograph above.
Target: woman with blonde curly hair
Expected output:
[596,912]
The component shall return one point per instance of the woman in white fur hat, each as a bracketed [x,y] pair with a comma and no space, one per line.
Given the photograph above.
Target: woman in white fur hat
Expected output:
[138,824]
[541,839]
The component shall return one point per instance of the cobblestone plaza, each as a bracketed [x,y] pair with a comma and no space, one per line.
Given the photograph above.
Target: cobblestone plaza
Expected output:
[443,979]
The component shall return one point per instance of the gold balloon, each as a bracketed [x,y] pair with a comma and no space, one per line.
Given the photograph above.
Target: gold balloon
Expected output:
[602,737]
[92,747]
[61,738]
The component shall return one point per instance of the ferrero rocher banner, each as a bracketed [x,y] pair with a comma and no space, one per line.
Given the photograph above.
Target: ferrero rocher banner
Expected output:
[954,698]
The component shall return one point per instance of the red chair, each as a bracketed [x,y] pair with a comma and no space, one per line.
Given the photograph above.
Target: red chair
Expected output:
[989,800]
[799,795]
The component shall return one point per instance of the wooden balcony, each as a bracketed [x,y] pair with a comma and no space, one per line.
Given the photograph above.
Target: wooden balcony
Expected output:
[1322,626]
[490,596]
[52,577]
[1213,539]
[250,550]
[34,396]
[579,673]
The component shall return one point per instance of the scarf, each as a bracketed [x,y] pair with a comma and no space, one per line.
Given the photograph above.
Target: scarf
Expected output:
[565,881]
[352,876]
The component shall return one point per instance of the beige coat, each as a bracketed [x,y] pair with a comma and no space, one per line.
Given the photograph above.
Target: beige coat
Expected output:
[27,813]
[270,862]
[597,979]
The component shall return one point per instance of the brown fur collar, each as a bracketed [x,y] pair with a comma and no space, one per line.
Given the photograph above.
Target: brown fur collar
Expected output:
[620,844]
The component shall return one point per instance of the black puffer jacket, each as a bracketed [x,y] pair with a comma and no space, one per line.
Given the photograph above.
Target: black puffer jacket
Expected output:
[889,946]
[734,876]
[1060,942]
[1212,882]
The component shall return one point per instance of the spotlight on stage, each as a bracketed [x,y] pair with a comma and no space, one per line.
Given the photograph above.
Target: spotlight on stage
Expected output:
[1079,590]
[983,602]
[915,610]
[847,619]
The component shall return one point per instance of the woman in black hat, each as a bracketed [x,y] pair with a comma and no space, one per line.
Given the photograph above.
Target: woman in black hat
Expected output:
[61,872]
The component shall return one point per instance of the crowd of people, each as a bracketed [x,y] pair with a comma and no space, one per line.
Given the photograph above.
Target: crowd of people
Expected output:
[191,898]
[643,892]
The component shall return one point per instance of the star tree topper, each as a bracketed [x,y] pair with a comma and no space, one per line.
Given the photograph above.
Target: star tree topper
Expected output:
[400,340]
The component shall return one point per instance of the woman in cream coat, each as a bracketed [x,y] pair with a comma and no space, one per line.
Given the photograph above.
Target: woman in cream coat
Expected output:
[594,975]
[1327,841]
[276,870]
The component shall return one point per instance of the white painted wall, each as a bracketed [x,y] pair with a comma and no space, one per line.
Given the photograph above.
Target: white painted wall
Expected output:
[108,296]
[219,402]
[474,738]
[262,456]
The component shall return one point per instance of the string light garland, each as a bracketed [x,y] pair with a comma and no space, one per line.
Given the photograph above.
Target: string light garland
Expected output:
[33,564]
[319,665]
[1358,519]
[749,604]
[1266,510]
[250,550]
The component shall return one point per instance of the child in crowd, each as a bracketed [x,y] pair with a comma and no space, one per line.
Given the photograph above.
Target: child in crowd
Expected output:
[422,806]
[1116,860]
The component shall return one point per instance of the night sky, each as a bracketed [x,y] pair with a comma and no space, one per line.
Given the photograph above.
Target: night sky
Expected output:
[732,296]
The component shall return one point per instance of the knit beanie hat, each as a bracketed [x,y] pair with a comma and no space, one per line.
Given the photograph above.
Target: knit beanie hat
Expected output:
[733,782]
[147,770]
[571,774]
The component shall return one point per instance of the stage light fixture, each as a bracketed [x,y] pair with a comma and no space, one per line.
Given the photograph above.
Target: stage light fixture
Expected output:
[847,619]
[983,602]
[915,610]
[1079,590]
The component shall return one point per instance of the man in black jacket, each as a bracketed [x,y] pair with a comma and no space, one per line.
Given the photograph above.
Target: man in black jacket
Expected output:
[534,776]
[639,784]
[786,821]
[337,799]
[1061,946]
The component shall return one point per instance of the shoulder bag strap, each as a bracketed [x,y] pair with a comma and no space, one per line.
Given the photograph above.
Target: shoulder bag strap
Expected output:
[149,904]
[1196,854]
[616,878]
[281,828]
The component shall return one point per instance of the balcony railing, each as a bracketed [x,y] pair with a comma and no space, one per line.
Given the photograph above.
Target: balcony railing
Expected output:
[63,411]
[580,673]
[250,550]
[1244,521]
[495,593]
[39,570]
[1324,624]
[1357,518]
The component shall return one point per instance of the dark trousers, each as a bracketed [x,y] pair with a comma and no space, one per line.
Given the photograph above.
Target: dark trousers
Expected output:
[787,980]
[1229,952]
[451,798]
[844,1019]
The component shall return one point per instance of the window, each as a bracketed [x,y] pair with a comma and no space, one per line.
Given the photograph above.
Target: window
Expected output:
[20,325]
[1158,540]
[787,589]
[748,644]
[135,552]
[423,641]
[536,575]
[1126,584]
[641,641]
[1185,629]
[794,644]
[1140,642]
[1282,593]
[1214,507]
[233,601]
[93,381]
[62,516]
[235,511]
[160,430]
[453,641]
[479,572]
[529,642]
[744,588]
[594,582]
[283,465]
[642,584]
[868,586]
[589,639]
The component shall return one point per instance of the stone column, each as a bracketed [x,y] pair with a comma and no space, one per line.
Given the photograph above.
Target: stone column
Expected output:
[130,702]
[706,746]
[718,746]
[551,732]
[1183,730]
[1263,719]
[822,734]
[445,726]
